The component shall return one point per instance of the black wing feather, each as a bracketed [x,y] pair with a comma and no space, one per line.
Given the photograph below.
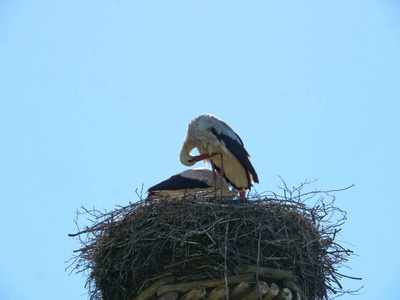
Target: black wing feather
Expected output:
[238,150]
[178,182]
[226,179]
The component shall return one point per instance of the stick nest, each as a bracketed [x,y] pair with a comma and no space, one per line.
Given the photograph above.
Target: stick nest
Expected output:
[193,238]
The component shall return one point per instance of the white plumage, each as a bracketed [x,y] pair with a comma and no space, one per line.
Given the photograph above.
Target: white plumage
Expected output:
[222,147]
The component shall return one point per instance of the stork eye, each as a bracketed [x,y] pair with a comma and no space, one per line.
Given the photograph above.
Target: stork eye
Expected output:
[191,160]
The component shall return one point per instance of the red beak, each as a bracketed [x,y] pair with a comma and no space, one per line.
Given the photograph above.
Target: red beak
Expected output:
[204,156]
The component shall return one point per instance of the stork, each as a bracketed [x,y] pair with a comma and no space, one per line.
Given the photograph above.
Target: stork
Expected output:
[198,180]
[213,137]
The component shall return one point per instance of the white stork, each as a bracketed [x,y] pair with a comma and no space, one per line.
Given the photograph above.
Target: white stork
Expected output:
[189,181]
[213,137]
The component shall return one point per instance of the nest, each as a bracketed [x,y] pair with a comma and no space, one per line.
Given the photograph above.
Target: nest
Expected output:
[196,238]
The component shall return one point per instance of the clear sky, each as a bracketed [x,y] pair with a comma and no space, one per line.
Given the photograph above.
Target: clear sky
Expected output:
[96,96]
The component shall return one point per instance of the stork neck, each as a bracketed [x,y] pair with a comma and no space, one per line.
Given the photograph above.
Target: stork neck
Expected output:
[185,157]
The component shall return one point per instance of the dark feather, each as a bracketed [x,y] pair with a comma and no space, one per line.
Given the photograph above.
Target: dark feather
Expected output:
[226,179]
[178,182]
[238,150]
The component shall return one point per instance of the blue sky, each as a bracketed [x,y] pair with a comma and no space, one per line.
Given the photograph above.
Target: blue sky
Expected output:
[96,97]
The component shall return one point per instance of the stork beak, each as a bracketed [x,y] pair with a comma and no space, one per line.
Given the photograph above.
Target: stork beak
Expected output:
[204,156]
[201,157]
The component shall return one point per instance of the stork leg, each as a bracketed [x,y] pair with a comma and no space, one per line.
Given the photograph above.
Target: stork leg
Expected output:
[222,174]
[214,178]
[242,194]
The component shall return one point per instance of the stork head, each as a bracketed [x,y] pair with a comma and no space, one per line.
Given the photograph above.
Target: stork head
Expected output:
[185,157]
[189,161]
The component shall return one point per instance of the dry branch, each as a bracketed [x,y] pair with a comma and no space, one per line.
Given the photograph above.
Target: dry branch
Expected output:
[259,290]
[185,287]
[239,291]
[290,284]
[273,291]
[169,296]
[218,293]
[152,290]
[285,294]
[201,241]
[195,294]
[267,272]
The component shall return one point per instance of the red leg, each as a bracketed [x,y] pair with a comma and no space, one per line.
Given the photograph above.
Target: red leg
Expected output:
[214,178]
[222,174]
[242,194]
